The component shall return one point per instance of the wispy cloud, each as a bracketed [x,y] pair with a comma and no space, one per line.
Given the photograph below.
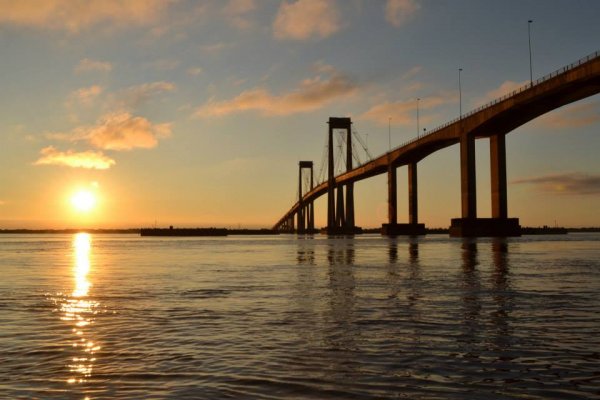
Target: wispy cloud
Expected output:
[133,96]
[86,65]
[306,19]
[118,131]
[573,116]
[237,13]
[85,96]
[505,88]
[85,159]
[397,12]
[567,183]
[310,95]
[195,71]
[76,15]
[403,112]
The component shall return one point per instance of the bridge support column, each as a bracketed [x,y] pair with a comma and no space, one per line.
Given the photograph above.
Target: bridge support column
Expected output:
[468,181]
[498,178]
[469,224]
[393,228]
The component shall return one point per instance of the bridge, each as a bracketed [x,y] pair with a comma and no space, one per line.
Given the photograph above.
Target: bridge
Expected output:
[491,121]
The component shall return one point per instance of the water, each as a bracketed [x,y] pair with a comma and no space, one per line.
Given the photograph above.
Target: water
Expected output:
[119,316]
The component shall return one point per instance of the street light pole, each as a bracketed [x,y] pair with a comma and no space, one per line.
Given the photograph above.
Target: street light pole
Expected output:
[418,117]
[459,95]
[530,63]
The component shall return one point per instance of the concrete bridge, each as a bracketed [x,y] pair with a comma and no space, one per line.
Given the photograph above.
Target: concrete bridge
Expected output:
[491,121]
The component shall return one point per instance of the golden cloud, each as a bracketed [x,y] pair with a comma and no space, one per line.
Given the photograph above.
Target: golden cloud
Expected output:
[305,19]
[123,131]
[505,88]
[404,112]
[397,12]
[76,15]
[118,131]
[567,183]
[86,65]
[70,158]
[573,116]
[85,96]
[310,95]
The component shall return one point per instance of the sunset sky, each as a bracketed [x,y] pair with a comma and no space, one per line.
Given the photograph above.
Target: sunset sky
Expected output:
[196,113]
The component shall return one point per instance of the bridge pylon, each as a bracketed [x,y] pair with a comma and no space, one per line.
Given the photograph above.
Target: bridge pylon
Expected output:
[340,214]
[306,211]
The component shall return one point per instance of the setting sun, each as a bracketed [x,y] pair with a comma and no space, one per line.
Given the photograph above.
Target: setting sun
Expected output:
[83,201]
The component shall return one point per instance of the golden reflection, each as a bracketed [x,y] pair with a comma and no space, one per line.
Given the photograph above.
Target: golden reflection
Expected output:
[79,311]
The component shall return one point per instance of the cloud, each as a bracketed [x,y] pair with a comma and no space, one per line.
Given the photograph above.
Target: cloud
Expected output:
[310,95]
[85,159]
[404,112]
[85,96]
[133,96]
[236,12]
[195,71]
[505,88]
[164,64]
[574,116]
[411,73]
[567,183]
[86,65]
[2,202]
[397,12]
[118,131]
[76,15]
[305,19]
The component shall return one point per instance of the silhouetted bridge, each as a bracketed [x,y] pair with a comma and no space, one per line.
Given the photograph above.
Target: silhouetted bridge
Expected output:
[493,120]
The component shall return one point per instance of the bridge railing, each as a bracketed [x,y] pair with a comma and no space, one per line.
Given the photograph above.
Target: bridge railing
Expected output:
[506,96]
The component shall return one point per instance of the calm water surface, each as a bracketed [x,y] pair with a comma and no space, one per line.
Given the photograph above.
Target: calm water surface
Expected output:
[119,316]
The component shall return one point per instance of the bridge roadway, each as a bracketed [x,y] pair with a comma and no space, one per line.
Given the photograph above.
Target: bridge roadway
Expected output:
[567,85]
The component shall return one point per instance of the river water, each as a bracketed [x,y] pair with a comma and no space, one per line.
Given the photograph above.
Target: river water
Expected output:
[120,316]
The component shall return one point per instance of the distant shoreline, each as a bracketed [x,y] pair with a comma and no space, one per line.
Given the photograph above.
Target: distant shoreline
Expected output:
[137,231]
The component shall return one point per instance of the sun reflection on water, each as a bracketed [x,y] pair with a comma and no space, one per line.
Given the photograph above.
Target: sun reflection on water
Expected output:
[79,311]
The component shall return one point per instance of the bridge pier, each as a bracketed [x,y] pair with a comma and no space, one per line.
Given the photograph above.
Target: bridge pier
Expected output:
[469,224]
[340,214]
[393,228]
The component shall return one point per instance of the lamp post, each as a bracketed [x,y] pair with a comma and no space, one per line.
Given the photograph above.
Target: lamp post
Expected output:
[459,95]
[390,132]
[530,63]
[418,117]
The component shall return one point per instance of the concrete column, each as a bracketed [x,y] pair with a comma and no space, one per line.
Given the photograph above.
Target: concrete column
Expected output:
[498,181]
[311,206]
[467,177]
[301,220]
[340,220]
[330,183]
[413,204]
[392,196]
[349,223]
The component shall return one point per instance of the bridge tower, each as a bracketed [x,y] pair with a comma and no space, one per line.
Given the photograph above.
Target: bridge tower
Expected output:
[340,214]
[306,212]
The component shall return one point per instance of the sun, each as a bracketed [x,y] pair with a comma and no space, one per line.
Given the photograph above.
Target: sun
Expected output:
[83,201]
